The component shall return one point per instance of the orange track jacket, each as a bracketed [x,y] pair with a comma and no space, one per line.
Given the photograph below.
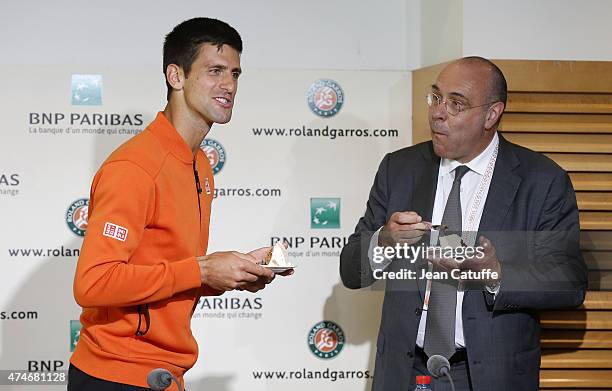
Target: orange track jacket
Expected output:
[137,277]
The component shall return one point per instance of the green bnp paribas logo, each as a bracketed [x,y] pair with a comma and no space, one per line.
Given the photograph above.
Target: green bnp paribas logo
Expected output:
[324,213]
[75,333]
[86,90]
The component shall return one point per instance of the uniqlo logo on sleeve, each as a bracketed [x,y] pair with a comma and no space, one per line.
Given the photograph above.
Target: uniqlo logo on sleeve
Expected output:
[207,186]
[115,231]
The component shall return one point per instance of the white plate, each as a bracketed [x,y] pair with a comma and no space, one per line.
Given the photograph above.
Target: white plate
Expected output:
[279,269]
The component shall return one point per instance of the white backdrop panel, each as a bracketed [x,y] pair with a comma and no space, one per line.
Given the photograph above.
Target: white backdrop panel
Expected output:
[241,335]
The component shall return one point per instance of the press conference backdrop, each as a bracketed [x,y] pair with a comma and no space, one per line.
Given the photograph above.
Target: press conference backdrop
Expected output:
[296,162]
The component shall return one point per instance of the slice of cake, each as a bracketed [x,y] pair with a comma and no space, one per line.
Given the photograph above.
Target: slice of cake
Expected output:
[452,241]
[277,257]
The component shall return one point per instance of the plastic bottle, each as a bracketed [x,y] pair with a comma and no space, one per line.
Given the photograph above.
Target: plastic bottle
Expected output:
[423,383]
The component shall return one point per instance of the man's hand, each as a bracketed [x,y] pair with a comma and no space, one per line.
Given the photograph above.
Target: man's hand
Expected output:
[226,271]
[259,254]
[489,261]
[475,264]
[403,227]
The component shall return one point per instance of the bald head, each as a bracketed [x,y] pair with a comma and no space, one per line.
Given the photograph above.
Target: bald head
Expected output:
[497,88]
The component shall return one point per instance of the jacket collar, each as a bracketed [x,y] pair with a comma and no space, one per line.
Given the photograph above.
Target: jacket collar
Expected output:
[170,138]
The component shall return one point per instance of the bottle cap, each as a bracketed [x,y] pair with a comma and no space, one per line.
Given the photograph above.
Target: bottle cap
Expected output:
[423,379]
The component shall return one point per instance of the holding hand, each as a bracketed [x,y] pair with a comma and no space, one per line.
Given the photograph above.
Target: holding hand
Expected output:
[403,227]
[263,252]
[489,261]
[229,270]
[476,264]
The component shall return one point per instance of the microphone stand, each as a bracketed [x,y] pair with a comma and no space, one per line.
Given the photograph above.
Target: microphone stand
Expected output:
[450,379]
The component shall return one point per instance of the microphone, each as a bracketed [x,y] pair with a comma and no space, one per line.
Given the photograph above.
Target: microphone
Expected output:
[438,365]
[159,379]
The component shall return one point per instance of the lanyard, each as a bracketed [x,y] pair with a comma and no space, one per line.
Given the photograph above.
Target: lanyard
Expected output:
[470,230]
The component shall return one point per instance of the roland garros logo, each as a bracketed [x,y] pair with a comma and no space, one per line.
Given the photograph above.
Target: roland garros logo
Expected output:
[215,153]
[325,98]
[326,339]
[76,216]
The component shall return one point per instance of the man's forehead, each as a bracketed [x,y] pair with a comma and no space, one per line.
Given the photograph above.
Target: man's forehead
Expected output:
[462,78]
[209,52]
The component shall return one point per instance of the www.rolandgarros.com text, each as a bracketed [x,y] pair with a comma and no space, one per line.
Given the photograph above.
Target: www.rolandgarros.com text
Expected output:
[307,374]
[327,132]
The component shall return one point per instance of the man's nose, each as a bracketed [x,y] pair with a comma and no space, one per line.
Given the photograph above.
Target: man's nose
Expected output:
[228,83]
[439,111]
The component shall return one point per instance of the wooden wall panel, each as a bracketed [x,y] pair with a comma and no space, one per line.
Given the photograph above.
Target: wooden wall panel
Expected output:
[598,260]
[564,143]
[596,220]
[571,379]
[557,76]
[572,359]
[556,123]
[591,181]
[594,200]
[551,102]
[583,339]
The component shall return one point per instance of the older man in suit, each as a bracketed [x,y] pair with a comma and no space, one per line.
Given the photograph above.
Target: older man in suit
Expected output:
[517,207]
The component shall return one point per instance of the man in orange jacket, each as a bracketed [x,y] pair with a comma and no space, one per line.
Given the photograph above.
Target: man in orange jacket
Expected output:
[142,266]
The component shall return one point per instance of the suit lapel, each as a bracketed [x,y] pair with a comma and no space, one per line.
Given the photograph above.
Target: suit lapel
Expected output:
[423,195]
[424,190]
[503,188]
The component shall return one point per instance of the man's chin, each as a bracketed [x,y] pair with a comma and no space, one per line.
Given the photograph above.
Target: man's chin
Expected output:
[440,151]
[223,119]
[438,148]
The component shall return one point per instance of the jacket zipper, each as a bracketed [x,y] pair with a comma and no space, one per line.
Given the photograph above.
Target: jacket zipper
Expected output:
[198,187]
[198,192]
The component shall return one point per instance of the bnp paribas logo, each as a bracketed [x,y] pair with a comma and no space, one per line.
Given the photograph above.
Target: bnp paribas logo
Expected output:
[75,333]
[324,213]
[87,90]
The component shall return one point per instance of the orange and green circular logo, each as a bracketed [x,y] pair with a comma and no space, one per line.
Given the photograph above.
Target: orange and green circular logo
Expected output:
[325,98]
[326,339]
[76,216]
[215,153]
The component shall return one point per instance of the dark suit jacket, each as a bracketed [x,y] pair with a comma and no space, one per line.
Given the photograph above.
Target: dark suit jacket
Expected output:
[529,195]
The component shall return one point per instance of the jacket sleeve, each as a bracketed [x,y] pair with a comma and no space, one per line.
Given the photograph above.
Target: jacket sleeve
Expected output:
[124,195]
[554,275]
[355,266]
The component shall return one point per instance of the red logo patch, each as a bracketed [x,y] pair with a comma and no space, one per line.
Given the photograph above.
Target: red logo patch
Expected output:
[115,231]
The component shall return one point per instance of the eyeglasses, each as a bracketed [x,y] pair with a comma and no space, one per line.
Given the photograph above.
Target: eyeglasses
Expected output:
[453,106]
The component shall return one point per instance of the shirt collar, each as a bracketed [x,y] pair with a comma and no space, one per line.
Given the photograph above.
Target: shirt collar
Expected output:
[478,164]
[170,138]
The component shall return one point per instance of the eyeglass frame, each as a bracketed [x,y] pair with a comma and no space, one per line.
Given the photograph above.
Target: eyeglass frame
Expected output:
[445,102]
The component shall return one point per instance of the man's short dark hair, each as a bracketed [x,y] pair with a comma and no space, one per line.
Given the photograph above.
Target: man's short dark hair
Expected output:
[183,43]
[498,87]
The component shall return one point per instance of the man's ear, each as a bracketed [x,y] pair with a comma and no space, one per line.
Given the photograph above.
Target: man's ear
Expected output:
[493,114]
[175,76]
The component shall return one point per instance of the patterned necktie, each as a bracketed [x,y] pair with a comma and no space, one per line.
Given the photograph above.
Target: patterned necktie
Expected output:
[440,326]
